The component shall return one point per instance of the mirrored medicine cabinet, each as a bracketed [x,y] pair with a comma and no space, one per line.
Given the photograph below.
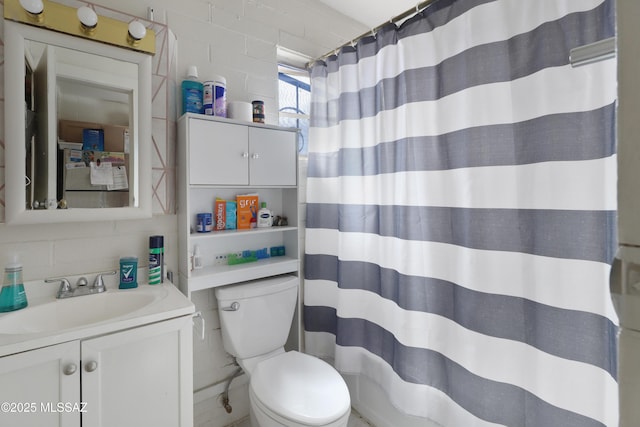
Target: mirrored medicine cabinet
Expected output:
[77,128]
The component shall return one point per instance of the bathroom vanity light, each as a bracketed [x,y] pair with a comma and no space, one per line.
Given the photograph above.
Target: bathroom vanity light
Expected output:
[136,32]
[88,19]
[64,19]
[34,8]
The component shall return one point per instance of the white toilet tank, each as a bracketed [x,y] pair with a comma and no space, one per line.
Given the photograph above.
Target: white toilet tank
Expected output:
[260,321]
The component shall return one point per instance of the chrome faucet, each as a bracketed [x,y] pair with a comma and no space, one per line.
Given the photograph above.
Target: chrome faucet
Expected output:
[82,286]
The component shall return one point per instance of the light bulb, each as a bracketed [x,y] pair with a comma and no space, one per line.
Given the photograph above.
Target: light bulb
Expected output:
[34,7]
[88,17]
[137,31]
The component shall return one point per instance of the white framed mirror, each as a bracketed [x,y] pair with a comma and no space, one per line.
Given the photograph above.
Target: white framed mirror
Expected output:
[75,85]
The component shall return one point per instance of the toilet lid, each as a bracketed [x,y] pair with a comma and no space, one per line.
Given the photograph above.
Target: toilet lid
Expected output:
[301,388]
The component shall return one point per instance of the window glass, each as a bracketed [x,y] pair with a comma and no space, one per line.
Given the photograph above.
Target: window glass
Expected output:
[295,103]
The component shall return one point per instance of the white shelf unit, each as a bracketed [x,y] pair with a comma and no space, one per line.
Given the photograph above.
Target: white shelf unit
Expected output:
[222,158]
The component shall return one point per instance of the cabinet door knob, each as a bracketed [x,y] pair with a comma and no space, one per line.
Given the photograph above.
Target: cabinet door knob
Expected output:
[245,155]
[91,366]
[70,369]
[255,156]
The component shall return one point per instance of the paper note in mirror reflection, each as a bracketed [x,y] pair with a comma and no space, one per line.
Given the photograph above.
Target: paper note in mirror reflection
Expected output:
[120,181]
[101,173]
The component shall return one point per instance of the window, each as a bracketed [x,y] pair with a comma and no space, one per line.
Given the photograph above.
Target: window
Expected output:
[295,102]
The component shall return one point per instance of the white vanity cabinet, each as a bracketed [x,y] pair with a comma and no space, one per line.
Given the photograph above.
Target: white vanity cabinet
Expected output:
[222,158]
[136,377]
[33,382]
[139,377]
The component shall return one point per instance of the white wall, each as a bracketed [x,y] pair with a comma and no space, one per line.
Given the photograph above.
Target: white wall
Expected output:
[237,39]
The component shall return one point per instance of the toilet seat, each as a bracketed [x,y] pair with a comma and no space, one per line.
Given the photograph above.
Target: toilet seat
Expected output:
[301,389]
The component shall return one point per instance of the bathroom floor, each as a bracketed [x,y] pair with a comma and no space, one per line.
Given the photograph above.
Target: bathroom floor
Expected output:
[355,420]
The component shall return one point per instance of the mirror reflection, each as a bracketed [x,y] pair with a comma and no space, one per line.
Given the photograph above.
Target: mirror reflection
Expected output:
[79,116]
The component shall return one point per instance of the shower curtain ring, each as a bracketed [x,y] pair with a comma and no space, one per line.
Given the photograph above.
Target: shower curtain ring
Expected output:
[417,7]
[373,33]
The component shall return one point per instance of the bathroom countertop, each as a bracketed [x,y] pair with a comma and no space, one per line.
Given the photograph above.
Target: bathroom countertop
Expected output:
[166,302]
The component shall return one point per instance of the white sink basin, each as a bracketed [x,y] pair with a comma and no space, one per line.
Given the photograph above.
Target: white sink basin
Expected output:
[81,311]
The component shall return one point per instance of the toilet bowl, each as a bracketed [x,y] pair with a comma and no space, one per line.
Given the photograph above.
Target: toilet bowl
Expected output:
[295,389]
[290,389]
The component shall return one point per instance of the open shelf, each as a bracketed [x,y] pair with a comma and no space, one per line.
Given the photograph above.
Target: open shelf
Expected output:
[219,275]
[235,233]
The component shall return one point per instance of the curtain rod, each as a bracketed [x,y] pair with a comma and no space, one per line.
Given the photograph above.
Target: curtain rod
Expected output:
[419,7]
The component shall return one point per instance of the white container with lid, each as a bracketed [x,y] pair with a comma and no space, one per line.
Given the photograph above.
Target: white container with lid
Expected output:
[215,97]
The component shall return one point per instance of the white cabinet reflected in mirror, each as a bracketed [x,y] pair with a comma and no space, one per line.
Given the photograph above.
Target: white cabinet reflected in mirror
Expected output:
[83,152]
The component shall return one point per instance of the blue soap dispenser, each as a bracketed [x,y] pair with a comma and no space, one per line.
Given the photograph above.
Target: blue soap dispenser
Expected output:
[13,296]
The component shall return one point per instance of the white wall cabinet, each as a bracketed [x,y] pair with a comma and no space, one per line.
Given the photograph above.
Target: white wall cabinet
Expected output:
[232,154]
[221,158]
[137,377]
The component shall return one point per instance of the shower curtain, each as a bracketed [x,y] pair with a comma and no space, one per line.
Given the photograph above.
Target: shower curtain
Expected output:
[461,214]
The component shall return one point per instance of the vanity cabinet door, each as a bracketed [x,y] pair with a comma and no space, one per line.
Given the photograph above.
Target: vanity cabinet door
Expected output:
[139,377]
[218,153]
[41,387]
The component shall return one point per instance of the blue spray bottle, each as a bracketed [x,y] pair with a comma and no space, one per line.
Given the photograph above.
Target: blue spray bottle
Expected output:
[13,296]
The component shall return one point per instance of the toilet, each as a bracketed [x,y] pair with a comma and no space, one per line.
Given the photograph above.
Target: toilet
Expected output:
[285,388]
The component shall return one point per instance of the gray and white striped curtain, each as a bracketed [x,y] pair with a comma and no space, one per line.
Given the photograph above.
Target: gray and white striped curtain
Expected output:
[461,214]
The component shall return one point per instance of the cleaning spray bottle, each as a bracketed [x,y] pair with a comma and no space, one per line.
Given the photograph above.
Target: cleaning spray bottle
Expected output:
[12,296]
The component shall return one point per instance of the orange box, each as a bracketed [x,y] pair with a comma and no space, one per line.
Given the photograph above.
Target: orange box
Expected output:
[220,214]
[247,211]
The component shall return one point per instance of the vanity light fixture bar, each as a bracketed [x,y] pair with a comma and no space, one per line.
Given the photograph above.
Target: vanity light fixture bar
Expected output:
[65,19]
